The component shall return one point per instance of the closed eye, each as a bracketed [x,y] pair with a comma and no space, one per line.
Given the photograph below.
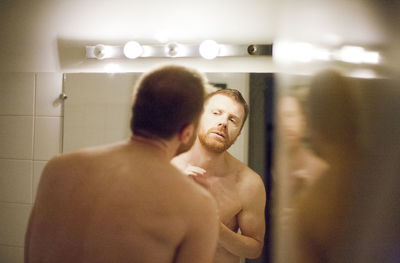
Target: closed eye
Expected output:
[234,119]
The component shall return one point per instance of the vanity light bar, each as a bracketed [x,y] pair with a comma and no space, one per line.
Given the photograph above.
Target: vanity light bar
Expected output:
[289,52]
[208,49]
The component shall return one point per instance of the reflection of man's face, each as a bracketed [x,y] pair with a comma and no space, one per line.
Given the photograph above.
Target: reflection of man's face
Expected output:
[291,119]
[220,123]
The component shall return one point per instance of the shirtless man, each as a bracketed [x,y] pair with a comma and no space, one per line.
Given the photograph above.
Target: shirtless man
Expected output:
[239,191]
[329,219]
[125,202]
[303,166]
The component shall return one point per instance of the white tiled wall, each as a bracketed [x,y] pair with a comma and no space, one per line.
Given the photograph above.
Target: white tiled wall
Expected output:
[30,134]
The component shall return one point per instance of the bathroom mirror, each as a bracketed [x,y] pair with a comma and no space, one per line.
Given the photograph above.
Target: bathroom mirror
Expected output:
[98,108]
[97,111]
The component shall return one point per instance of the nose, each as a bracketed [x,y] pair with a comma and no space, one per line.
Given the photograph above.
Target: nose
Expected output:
[222,123]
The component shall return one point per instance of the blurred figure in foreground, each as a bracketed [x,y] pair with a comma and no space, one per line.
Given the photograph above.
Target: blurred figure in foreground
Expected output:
[323,210]
[304,167]
[125,202]
[301,166]
[334,219]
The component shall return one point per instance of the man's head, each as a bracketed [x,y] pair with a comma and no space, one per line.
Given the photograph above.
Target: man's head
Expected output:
[167,100]
[225,112]
[332,111]
[291,119]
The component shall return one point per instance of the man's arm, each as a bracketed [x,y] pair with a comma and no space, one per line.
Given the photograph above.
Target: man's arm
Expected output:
[28,235]
[200,242]
[251,221]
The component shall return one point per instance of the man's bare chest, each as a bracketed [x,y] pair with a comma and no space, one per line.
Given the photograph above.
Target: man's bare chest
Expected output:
[226,192]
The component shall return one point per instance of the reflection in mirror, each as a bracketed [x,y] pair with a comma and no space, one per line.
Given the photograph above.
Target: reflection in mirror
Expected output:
[310,163]
[303,166]
[351,125]
[98,109]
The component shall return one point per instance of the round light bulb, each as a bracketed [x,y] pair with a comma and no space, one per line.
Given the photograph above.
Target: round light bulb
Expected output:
[209,49]
[132,49]
[101,51]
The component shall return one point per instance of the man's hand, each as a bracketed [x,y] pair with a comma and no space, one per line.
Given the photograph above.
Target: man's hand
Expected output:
[198,175]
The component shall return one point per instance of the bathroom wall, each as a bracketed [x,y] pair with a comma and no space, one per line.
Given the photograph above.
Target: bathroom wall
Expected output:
[31,127]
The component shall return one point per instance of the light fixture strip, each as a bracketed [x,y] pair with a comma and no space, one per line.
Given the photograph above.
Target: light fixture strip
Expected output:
[176,50]
[104,52]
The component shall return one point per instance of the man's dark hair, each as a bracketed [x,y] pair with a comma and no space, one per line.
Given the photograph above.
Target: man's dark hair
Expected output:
[236,96]
[332,107]
[167,99]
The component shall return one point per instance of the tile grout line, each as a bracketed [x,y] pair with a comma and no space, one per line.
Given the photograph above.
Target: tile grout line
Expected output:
[16,115]
[13,246]
[15,203]
[63,78]
[33,135]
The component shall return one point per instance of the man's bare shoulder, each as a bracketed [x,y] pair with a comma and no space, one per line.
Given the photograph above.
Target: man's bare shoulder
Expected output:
[79,156]
[251,182]
[68,165]
[245,173]
[90,151]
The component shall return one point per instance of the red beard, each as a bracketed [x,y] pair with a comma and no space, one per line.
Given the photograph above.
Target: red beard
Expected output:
[215,143]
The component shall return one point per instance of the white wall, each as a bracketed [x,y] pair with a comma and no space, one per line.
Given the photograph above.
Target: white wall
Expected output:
[30,134]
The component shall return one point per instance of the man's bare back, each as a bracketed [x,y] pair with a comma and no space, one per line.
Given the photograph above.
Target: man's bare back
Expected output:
[116,204]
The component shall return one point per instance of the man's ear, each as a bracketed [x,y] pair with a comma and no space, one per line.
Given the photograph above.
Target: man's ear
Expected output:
[187,133]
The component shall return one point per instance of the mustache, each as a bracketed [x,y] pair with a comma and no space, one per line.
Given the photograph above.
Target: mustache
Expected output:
[219,132]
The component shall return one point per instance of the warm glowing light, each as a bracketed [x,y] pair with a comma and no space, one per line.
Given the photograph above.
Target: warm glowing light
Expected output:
[302,52]
[358,55]
[351,54]
[321,54]
[371,57]
[209,49]
[285,52]
[132,49]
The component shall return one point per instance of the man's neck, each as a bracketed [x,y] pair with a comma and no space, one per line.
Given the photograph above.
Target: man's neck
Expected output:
[158,146]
